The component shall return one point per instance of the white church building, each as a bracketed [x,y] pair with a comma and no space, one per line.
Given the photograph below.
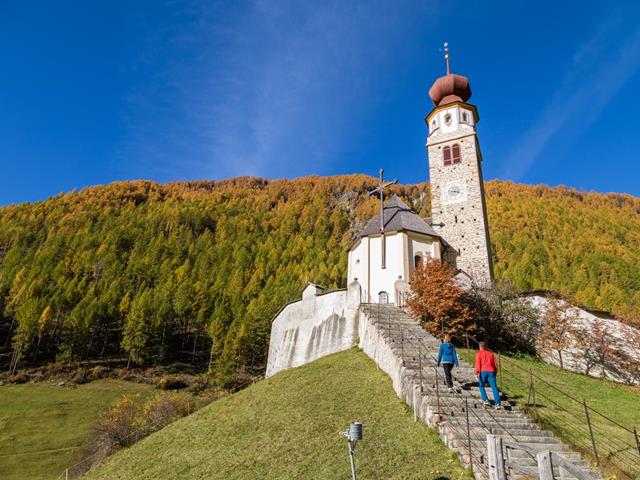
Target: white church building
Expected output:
[383,255]
[408,240]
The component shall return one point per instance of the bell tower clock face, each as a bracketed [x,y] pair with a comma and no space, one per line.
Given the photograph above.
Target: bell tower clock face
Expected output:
[454,192]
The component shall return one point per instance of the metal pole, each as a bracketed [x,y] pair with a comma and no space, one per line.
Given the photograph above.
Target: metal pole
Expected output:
[402,344]
[353,461]
[635,434]
[466,410]
[500,371]
[593,438]
[468,351]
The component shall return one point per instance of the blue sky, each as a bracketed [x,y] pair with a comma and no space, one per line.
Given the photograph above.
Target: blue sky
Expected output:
[92,92]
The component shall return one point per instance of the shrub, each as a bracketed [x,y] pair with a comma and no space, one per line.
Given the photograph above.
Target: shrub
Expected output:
[129,420]
[123,374]
[507,318]
[20,377]
[164,409]
[116,428]
[99,372]
[172,382]
[199,384]
[81,376]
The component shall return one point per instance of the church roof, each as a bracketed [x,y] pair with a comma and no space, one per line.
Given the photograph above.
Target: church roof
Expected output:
[398,217]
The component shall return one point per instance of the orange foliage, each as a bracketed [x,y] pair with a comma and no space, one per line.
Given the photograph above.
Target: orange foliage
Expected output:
[438,301]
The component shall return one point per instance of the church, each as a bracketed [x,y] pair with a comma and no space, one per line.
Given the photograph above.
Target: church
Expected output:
[382,257]
[396,240]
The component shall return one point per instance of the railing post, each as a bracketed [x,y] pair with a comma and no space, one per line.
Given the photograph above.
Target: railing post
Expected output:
[495,458]
[500,371]
[420,367]
[466,410]
[530,388]
[635,434]
[402,344]
[437,391]
[593,438]
[545,467]
[466,335]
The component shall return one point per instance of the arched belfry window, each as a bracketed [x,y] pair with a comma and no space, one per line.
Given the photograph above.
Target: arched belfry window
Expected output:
[455,153]
[383,297]
[446,151]
[451,154]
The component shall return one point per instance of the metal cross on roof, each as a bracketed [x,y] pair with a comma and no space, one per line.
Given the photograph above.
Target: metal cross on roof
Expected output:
[379,190]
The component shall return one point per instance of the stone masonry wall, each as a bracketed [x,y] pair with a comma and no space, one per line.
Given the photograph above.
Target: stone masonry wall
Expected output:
[465,227]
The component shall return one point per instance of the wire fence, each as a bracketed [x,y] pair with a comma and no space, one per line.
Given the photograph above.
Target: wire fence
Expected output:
[609,443]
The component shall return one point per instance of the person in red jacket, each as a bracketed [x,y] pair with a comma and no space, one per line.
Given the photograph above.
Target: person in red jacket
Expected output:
[486,370]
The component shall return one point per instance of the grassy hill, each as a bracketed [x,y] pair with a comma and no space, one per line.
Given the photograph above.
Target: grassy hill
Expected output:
[287,427]
[45,429]
[195,271]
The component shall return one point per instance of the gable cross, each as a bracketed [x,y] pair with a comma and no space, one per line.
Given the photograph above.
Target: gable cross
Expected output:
[379,190]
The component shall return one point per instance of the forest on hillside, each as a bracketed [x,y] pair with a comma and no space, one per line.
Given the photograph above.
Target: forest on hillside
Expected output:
[195,271]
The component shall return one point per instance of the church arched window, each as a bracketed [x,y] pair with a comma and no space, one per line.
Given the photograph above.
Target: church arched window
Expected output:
[417,260]
[383,297]
[455,153]
[446,152]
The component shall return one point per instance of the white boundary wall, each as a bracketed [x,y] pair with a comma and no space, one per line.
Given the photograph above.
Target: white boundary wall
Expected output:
[317,325]
[623,345]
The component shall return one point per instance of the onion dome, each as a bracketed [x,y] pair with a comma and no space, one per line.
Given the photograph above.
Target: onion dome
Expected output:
[449,89]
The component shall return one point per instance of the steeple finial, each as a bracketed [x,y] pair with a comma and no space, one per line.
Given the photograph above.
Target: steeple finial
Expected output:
[445,49]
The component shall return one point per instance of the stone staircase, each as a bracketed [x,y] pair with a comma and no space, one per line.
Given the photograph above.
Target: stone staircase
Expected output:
[407,353]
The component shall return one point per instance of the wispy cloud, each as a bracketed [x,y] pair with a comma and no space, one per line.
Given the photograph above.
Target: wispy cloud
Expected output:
[277,88]
[600,68]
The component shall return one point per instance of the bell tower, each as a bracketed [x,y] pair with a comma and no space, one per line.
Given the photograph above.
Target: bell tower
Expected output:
[458,208]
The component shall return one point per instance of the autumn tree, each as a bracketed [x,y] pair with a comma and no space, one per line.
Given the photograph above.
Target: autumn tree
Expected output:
[438,301]
[558,328]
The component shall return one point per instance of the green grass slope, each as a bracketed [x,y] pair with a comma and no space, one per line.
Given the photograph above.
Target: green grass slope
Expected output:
[44,428]
[558,405]
[287,427]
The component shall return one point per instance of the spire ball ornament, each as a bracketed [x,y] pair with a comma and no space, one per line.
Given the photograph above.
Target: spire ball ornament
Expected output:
[450,88]
[446,55]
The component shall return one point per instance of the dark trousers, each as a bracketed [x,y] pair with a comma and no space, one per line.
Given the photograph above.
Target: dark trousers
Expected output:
[447,373]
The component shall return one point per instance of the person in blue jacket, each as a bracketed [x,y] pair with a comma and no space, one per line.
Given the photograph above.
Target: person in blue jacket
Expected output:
[448,357]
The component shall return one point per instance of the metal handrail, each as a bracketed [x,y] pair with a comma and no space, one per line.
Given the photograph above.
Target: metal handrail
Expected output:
[559,390]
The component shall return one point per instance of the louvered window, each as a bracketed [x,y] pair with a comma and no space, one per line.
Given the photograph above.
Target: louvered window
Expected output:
[455,153]
[446,151]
